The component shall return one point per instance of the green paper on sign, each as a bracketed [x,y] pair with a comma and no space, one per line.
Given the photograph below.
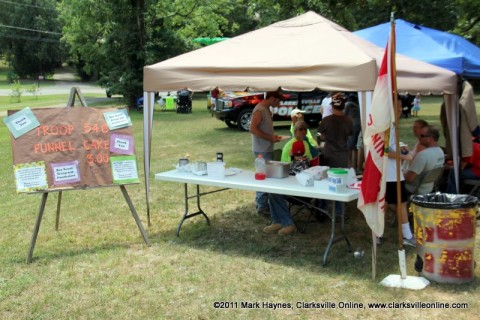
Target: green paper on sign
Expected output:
[124,169]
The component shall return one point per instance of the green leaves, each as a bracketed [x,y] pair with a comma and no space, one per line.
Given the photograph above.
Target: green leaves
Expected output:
[30,37]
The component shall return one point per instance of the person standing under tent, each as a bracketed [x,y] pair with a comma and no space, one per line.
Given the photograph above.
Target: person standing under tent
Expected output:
[352,110]
[326,106]
[263,140]
[335,130]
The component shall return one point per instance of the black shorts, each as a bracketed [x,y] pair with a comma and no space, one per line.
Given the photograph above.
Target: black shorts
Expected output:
[391,192]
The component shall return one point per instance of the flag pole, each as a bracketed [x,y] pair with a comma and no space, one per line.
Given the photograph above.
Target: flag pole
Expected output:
[401,252]
[402,281]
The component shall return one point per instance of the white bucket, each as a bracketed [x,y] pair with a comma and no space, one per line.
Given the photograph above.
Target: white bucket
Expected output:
[337,180]
[216,169]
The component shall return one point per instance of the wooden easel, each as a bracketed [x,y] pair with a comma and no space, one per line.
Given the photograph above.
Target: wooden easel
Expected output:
[42,209]
[75,91]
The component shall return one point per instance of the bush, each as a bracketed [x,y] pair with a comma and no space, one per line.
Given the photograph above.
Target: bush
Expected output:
[34,90]
[12,77]
[16,92]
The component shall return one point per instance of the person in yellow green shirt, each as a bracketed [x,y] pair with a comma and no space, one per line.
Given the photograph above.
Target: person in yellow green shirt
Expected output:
[299,134]
[297,115]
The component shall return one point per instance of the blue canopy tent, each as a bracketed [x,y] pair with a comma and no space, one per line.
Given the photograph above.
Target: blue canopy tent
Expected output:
[439,48]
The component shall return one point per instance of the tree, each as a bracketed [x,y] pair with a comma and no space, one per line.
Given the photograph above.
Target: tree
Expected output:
[268,12]
[114,40]
[437,14]
[30,37]
[106,39]
[468,24]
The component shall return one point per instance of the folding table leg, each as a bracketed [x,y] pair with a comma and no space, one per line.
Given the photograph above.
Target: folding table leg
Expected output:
[332,232]
[187,215]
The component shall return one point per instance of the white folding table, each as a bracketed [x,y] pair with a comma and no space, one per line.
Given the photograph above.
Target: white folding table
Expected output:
[245,181]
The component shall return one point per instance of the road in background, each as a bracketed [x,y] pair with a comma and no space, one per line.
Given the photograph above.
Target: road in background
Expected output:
[63,83]
[64,79]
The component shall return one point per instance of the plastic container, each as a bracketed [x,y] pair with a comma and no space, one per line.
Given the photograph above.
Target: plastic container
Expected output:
[337,180]
[260,168]
[169,103]
[444,227]
[216,170]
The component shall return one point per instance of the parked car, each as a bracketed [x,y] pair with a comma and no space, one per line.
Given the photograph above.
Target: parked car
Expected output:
[235,108]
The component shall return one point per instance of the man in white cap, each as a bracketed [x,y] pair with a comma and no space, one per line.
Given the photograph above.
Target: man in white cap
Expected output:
[296,114]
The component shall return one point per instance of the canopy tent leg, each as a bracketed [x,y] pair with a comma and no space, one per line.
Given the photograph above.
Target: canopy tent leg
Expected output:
[148,105]
[451,105]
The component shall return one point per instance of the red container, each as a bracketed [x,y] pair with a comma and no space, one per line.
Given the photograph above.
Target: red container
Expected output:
[260,176]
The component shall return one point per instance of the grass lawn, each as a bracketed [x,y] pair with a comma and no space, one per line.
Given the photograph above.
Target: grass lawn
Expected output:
[98,267]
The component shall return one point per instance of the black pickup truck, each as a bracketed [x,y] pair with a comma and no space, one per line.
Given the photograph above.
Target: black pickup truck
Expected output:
[235,109]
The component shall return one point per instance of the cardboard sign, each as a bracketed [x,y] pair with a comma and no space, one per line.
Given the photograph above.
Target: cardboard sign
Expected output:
[21,122]
[72,148]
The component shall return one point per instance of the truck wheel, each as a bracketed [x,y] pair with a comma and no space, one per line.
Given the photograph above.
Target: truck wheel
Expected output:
[244,118]
[230,124]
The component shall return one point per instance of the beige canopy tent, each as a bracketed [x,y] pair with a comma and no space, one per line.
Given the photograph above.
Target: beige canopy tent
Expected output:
[298,54]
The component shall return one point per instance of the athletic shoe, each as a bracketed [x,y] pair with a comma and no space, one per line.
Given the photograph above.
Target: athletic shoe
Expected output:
[410,242]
